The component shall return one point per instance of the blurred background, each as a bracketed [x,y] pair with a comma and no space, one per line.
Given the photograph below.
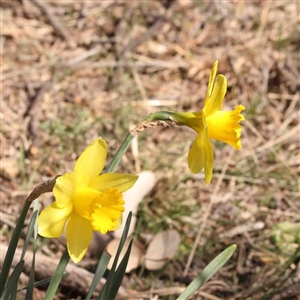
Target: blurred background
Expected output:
[76,70]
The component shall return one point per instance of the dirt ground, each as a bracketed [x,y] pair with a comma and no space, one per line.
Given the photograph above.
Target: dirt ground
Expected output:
[75,70]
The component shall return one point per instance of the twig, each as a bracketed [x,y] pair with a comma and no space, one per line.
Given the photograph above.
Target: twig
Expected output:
[32,111]
[143,38]
[79,279]
[161,64]
[206,215]
[54,21]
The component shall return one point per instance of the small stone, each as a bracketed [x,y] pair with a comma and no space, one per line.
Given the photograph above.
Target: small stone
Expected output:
[9,168]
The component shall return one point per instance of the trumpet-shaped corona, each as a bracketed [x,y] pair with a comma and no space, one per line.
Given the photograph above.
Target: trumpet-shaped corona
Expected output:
[85,201]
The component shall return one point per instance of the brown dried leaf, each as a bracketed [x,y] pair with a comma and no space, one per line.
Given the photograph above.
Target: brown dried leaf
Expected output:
[161,249]
[137,251]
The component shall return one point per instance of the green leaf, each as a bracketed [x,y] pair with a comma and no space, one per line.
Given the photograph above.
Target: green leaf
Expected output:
[210,270]
[29,233]
[33,224]
[110,282]
[42,282]
[12,247]
[11,287]
[58,275]
[101,268]
[120,273]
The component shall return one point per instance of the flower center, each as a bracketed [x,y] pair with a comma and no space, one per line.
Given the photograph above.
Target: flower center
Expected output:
[107,211]
[103,209]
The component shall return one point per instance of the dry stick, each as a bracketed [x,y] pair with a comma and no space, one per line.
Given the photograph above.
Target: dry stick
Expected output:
[54,21]
[270,144]
[124,63]
[78,279]
[32,112]
[133,44]
[139,82]
[206,214]
[83,56]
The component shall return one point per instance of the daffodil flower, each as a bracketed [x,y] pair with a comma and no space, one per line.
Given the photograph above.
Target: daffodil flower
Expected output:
[211,123]
[85,201]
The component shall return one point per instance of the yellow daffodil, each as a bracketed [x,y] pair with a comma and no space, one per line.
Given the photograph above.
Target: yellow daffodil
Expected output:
[211,123]
[85,201]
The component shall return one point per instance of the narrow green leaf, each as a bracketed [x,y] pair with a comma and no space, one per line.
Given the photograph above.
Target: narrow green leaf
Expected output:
[12,283]
[29,233]
[12,247]
[120,273]
[210,270]
[103,295]
[101,268]
[58,274]
[13,295]
[42,282]
[29,292]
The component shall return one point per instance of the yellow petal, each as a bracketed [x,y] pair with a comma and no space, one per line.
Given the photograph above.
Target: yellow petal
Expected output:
[63,189]
[224,126]
[52,220]
[212,79]
[79,235]
[90,163]
[215,101]
[121,182]
[201,156]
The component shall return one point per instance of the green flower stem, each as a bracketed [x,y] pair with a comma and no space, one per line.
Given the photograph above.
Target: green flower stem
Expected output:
[174,117]
[121,151]
[157,116]
[58,275]
[161,115]
[12,247]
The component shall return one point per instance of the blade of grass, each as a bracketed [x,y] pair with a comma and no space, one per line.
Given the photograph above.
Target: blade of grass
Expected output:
[104,294]
[42,282]
[210,270]
[120,273]
[13,295]
[12,247]
[12,283]
[29,292]
[57,275]
[29,233]
[101,268]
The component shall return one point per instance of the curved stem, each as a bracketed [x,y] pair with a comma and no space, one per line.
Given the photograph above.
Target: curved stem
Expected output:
[157,116]
[160,115]
[121,151]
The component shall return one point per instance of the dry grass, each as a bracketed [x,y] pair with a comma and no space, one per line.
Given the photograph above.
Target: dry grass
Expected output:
[72,71]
